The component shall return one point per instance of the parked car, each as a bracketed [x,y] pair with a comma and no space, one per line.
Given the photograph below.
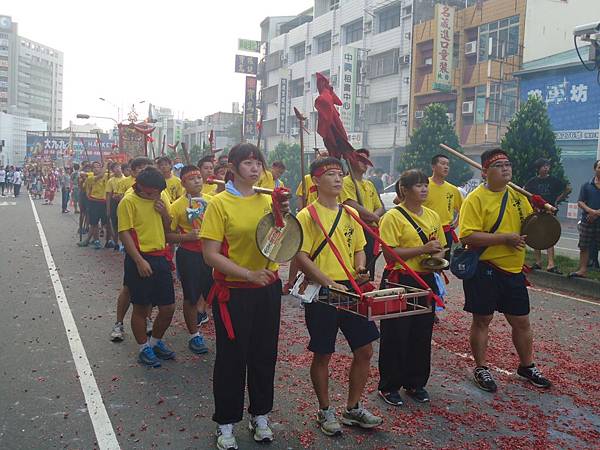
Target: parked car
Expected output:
[388,196]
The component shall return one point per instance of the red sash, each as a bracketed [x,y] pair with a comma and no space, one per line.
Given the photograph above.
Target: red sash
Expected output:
[451,229]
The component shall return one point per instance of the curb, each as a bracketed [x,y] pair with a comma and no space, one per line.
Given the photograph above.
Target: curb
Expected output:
[581,286]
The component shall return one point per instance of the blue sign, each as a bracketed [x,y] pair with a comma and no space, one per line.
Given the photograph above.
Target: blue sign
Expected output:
[573,99]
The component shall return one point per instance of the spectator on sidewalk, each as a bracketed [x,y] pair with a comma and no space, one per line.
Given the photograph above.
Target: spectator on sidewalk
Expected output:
[17,181]
[553,191]
[64,180]
[376,180]
[2,179]
[589,226]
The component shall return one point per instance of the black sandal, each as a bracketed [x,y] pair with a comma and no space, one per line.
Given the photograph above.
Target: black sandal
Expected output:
[575,275]
[536,266]
[554,270]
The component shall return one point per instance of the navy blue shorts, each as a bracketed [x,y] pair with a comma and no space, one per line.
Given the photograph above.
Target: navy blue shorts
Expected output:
[96,210]
[195,275]
[493,290]
[323,322]
[157,289]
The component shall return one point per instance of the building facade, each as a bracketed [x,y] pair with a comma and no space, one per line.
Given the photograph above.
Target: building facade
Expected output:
[13,130]
[31,76]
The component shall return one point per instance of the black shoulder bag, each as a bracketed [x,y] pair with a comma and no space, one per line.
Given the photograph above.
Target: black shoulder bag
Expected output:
[464,260]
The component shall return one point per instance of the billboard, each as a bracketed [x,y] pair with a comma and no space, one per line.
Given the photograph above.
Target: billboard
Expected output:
[248,45]
[283,105]
[250,115]
[443,44]
[246,64]
[572,97]
[349,75]
[131,141]
[55,145]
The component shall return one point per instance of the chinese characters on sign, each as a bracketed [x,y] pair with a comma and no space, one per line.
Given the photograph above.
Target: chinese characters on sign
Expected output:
[250,115]
[248,45]
[63,145]
[443,48]
[348,75]
[562,92]
[246,64]
[283,105]
[131,141]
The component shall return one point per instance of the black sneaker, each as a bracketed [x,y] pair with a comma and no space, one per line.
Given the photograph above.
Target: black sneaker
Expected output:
[484,379]
[391,398]
[419,394]
[534,375]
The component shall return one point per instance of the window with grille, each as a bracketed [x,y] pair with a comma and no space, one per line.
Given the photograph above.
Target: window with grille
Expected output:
[388,18]
[297,88]
[353,32]
[383,64]
[323,43]
[382,112]
[499,39]
[298,52]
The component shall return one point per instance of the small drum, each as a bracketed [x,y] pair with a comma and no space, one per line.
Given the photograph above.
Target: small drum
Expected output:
[279,244]
[542,230]
[396,301]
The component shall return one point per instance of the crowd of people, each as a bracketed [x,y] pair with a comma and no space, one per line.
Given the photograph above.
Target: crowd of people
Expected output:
[199,222]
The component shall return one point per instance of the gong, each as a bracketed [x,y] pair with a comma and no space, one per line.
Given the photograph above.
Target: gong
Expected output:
[279,244]
[542,230]
[434,263]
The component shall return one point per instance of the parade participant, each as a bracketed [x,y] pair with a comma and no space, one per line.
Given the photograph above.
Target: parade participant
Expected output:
[113,196]
[65,188]
[196,279]
[75,188]
[324,321]
[414,232]
[50,187]
[553,191]
[137,165]
[95,189]
[247,300]
[206,166]
[270,179]
[367,202]
[86,171]
[143,222]
[499,283]
[174,188]
[2,179]
[311,189]
[444,198]
[220,173]
[17,181]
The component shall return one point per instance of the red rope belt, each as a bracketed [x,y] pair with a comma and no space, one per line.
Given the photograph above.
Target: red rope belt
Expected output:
[451,229]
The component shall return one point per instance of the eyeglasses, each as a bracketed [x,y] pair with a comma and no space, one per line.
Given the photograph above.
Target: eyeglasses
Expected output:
[502,165]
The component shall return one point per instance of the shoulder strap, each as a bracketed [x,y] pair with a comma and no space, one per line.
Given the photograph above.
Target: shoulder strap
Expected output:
[331,231]
[417,228]
[501,214]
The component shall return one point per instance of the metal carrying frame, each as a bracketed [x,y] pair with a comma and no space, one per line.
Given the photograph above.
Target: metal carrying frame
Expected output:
[397,300]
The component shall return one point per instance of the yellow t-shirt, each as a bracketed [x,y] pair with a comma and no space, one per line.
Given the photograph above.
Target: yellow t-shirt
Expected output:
[112,185]
[266,180]
[137,214]
[311,189]
[480,211]
[396,231]
[180,222]
[444,200]
[174,188]
[370,198]
[163,196]
[348,237]
[96,187]
[124,184]
[208,189]
[233,219]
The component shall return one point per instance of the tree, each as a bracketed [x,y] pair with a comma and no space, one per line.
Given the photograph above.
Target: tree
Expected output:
[435,129]
[289,154]
[530,137]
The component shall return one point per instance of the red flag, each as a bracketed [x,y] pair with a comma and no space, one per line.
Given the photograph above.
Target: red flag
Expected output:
[211,139]
[149,138]
[330,126]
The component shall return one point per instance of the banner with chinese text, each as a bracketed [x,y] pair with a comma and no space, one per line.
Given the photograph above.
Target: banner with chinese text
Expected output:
[250,115]
[443,44]
[349,75]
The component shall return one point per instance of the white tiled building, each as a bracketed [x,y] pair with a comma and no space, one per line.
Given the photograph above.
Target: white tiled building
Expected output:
[314,41]
[13,131]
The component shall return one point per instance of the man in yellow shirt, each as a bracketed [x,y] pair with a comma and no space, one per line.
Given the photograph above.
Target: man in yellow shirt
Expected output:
[143,222]
[174,188]
[499,283]
[324,321]
[368,204]
[113,196]
[444,198]
[206,166]
[95,188]
[187,213]
[270,179]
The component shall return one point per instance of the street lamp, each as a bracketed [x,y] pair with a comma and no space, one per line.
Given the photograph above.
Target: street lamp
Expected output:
[88,116]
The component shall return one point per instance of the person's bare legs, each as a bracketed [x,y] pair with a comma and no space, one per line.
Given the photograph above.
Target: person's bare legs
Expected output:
[123,304]
[359,373]
[138,322]
[319,374]
[584,255]
[190,315]
[522,337]
[162,320]
[538,257]
[551,263]
[479,338]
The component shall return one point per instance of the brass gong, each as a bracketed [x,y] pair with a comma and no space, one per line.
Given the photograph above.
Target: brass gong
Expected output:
[279,244]
[542,230]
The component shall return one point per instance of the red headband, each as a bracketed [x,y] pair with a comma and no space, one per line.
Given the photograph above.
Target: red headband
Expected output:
[321,170]
[497,157]
[191,173]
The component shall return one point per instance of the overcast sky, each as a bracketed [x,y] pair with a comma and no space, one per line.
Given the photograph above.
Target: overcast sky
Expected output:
[175,53]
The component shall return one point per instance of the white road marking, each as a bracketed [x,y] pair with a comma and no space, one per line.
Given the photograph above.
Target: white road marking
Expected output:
[8,203]
[470,358]
[105,433]
[570,297]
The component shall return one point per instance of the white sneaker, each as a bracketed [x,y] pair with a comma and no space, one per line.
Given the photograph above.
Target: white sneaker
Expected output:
[328,423]
[225,438]
[149,325]
[259,426]
[117,333]
[362,417]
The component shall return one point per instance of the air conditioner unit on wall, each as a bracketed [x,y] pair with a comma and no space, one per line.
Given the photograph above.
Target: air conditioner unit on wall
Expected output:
[471,48]
[294,131]
[419,114]
[450,116]
[368,25]
[467,107]
[335,39]
[308,49]
[428,61]
[405,59]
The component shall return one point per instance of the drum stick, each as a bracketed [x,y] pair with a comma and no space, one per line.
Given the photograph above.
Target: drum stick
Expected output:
[475,164]
[257,189]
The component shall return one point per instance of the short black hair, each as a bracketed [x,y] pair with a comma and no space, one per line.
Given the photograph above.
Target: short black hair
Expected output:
[112,165]
[541,162]
[437,157]
[490,153]
[409,178]
[152,178]
[328,161]
[124,166]
[278,164]
[208,158]
[186,169]
[596,164]
[139,162]
[75,166]
[364,151]
[164,159]
[243,151]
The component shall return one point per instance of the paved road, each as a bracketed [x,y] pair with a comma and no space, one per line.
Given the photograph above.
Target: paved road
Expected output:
[43,405]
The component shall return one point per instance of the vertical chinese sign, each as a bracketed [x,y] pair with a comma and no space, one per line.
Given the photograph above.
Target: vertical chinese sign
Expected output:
[283,105]
[348,68]
[250,115]
[443,46]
